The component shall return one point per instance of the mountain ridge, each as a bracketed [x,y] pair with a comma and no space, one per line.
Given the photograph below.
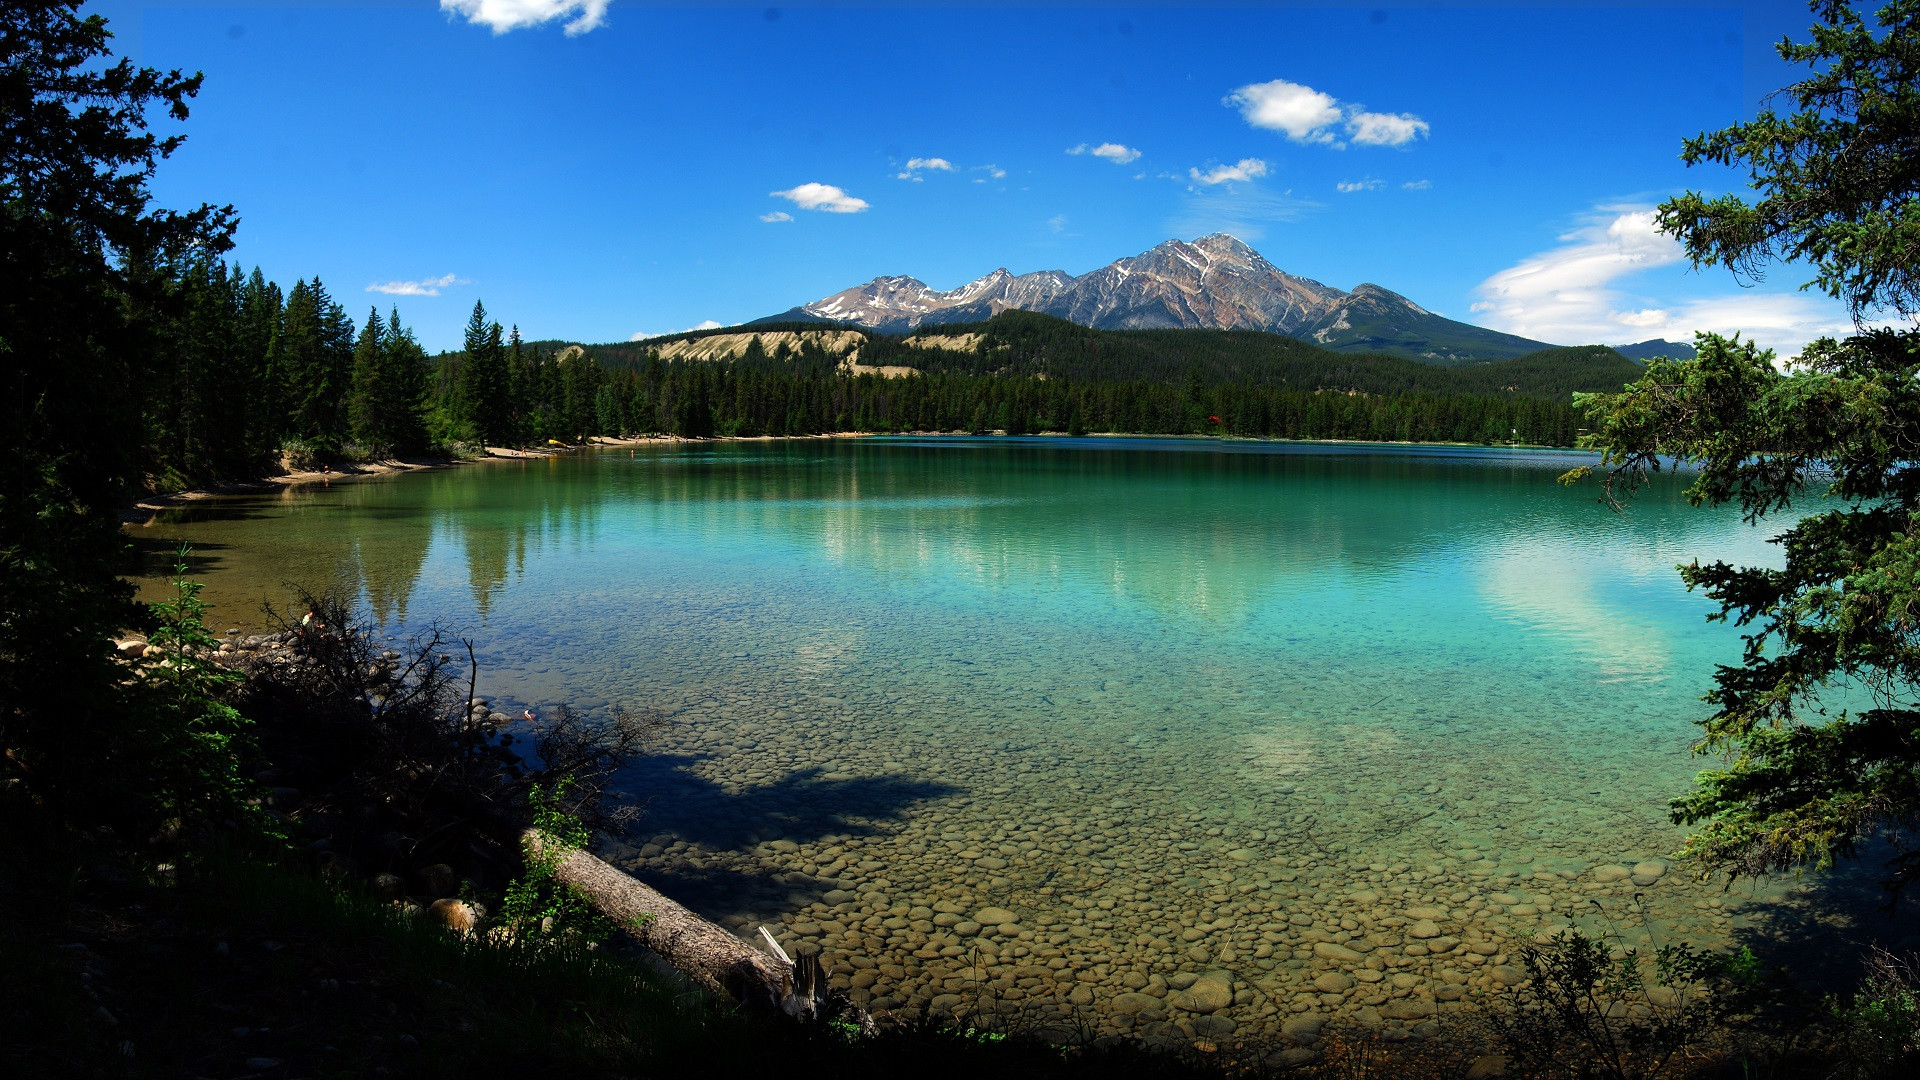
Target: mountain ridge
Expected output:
[1214,282]
[1028,345]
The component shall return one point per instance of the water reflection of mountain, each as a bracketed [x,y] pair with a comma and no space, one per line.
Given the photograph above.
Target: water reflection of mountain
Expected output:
[1200,533]
[1216,531]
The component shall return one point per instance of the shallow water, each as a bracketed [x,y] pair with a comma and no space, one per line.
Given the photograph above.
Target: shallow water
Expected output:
[1171,706]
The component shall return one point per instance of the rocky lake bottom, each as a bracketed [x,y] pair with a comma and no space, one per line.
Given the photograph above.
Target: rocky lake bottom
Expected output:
[1211,742]
[1153,884]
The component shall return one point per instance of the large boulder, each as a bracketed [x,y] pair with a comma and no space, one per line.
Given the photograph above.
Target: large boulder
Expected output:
[1327,950]
[1209,993]
[436,880]
[461,915]
[1304,1029]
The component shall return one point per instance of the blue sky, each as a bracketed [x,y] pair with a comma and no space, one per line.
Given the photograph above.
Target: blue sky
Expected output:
[594,171]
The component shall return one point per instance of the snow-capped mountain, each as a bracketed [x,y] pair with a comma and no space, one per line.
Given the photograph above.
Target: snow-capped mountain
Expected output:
[1215,282]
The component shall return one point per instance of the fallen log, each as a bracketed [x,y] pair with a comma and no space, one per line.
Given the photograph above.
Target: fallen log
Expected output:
[704,952]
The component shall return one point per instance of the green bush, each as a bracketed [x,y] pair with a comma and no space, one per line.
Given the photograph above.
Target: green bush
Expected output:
[1591,1010]
[199,736]
[538,904]
[1878,1029]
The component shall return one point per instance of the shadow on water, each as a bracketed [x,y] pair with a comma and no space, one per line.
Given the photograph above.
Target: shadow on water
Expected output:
[730,830]
[1821,928]
[153,557]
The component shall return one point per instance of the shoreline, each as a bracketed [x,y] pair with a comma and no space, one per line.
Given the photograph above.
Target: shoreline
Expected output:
[143,510]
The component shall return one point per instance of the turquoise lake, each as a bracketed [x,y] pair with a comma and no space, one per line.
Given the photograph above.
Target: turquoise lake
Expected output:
[1064,722]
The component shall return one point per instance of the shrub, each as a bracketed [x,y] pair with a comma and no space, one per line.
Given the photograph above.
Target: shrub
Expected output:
[1589,1010]
[1878,1031]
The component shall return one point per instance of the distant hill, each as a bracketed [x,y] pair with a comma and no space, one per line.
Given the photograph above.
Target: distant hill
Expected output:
[1647,350]
[1019,343]
[1213,283]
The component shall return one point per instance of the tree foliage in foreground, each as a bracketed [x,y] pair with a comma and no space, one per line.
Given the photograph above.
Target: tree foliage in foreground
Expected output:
[1818,726]
[1804,778]
[1839,177]
[81,315]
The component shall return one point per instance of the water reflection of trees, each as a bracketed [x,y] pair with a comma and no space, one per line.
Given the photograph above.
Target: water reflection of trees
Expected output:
[1205,533]
[1199,532]
[505,515]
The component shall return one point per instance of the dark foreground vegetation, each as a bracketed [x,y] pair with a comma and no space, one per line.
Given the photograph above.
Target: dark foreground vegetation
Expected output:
[297,854]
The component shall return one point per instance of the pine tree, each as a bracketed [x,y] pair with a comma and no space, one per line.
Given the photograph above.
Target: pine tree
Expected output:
[77,744]
[517,387]
[1804,778]
[486,390]
[406,381]
[368,402]
[315,361]
[258,324]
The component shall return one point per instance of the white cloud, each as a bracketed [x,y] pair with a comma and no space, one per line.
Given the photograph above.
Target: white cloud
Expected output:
[423,287]
[1244,169]
[821,197]
[1302,112]
[1057,222]
[915,165]
[1369,184]
[705,324]
[777,215]
[1384,129]
[505,15]
[1114,152]
[1573,295]
[1306,115]
[1650,318]
[1417,185]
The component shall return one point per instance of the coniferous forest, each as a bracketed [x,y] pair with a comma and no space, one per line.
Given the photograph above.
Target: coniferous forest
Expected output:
[256,377]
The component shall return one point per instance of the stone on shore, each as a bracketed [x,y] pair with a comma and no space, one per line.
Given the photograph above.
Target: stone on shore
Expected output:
[1327,950]
[1209,993]
[436,880]
[456,914]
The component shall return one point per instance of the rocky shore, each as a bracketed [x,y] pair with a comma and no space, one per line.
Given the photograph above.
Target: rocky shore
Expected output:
[1148,913]
[1187,958]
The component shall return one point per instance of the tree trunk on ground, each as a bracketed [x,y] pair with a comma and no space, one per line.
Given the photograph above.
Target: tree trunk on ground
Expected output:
[706,953]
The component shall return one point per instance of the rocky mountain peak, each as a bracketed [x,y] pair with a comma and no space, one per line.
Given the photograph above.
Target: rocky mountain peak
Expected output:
[1226,244]
[1215,281]
[1368,290]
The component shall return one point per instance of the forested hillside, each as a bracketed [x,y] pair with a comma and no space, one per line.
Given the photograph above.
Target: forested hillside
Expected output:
[1029,373]
[243,372]
[251,376]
